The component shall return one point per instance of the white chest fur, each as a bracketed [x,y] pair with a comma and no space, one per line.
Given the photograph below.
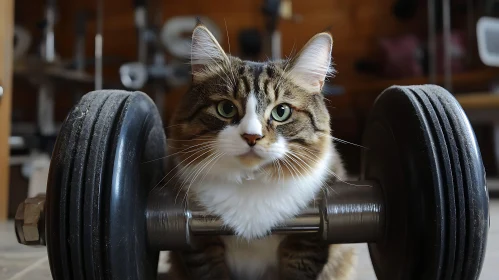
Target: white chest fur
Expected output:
[250,260]
[252,207]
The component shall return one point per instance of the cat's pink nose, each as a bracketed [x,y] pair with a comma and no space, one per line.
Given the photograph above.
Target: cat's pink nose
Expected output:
[251,138]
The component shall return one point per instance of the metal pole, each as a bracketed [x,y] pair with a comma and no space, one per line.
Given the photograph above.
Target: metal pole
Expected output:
[141,21]
[470,13]
[98,46]
[79,52]
[432,43]
[159,57]
[447,45]
[276,44]
[49,43]
[45,112]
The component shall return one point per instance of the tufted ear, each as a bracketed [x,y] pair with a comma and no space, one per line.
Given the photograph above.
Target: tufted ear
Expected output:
[313,63]
[205,51]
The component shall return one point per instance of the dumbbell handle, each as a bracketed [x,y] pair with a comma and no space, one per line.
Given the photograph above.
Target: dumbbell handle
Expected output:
[347,212]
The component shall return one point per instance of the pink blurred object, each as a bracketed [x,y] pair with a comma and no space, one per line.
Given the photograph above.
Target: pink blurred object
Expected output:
[401,56]
[458,52]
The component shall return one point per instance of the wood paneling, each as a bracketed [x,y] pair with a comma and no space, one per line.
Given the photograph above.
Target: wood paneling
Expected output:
[6,44]
[356,27]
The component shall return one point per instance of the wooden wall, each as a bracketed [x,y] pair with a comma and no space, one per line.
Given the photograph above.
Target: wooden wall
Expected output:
[355,25]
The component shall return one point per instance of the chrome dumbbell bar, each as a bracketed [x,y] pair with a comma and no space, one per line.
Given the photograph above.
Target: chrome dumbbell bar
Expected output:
[350,212]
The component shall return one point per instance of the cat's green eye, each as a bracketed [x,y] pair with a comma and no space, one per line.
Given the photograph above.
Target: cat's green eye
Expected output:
[281,112]
[226,109]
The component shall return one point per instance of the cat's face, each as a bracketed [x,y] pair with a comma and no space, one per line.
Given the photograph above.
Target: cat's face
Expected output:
[244,119]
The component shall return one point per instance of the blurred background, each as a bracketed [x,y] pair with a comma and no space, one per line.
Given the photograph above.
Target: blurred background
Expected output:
[64,49]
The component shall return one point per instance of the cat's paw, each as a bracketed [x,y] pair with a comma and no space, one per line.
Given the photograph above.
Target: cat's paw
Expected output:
[164,262]
[341,263]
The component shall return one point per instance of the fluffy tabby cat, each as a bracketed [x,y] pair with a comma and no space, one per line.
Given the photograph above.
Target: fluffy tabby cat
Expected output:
[251,143]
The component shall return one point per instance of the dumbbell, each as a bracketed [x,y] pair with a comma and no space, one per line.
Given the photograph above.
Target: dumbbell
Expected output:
[421,203]
[353,212]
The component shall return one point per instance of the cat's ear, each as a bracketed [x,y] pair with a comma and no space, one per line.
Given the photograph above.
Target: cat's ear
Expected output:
[313,63]
[205,51]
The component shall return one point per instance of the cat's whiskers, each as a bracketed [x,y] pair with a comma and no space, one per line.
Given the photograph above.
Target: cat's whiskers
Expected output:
[189,146]
[165,184]
[289,167]
[298,165]
[280,171]
[300,178]
[213,164]
[274,166]
[194,169]
[213,159]
[200,149]
[342,141]
[310,156]
[185,168]
[298,155]
[323,182]
[190,140]
[263,170]
[179,152]
[346,142]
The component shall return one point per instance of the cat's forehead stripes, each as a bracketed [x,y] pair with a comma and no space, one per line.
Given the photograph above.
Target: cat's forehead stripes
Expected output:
[257,78]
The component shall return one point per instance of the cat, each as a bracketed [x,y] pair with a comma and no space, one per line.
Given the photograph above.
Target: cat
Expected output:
[251,142]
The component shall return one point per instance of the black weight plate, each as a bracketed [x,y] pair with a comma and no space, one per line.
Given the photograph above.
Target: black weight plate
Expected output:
[106,136]
[138,138]
[98,156]
[476,199]
[455,190]
[401,156]
[77,183]
[470,189]
[442,141]
[422,150]
[58,192]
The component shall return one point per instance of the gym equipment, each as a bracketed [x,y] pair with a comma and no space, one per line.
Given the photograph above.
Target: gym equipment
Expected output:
[47,71]
[22,41]
[487,31]
[174,32]
[99,45]
[421,203]
[274,11]
[152,69]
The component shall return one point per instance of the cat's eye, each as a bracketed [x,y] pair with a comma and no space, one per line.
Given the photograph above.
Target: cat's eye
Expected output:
[226,109]
[281,112]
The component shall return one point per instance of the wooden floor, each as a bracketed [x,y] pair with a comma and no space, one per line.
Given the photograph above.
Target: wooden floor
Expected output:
[19,262]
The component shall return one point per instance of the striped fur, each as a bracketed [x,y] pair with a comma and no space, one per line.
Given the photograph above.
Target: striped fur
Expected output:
[255,187]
